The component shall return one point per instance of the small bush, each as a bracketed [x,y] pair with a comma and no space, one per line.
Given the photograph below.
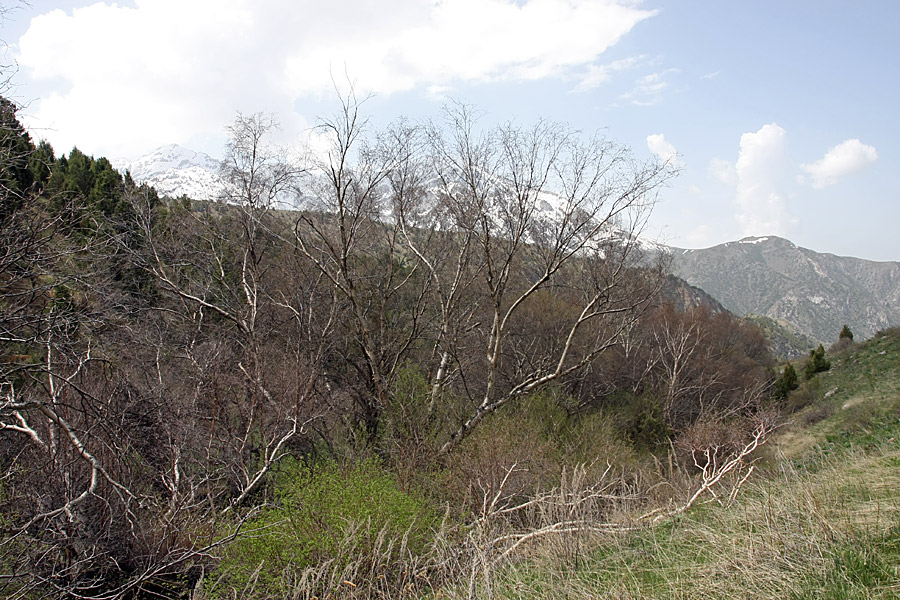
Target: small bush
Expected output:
[524,447]
[808,394]
[595,436]
[845,334]
[409,430]
[843,345]
[639,419]
[727,437]
[817,414]
[517,450]
[890,332]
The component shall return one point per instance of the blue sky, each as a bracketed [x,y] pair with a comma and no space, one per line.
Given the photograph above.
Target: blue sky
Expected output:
[782,114]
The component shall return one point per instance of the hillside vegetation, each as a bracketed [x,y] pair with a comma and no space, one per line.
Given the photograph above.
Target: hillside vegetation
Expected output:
[820,520]
[457,374]
[785,343]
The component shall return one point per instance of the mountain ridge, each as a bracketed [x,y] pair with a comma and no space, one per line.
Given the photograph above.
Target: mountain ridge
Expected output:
[815,292]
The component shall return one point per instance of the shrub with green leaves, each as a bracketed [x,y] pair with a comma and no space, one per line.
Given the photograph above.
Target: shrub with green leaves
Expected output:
[318,512]
[786,383]
[816,363]
[846,334]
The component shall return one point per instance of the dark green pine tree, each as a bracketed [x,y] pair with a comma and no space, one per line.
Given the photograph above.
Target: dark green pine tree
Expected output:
[41,163]
[816,363]
[16,179]
[846,334]
[787,383]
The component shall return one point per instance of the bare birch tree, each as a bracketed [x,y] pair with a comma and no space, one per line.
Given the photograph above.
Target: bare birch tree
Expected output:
[349,238]
[549,213]
[217,268]
[484,221]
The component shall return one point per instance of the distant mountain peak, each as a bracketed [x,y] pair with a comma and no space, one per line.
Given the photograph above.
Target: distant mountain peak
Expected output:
[771,240]
[762,240]
[753,240]
[816,293]
[177,171]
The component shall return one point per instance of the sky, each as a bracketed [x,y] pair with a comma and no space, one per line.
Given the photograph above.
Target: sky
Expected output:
[781,115]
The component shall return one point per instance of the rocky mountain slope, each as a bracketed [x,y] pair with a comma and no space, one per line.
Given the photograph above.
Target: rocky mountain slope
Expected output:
[684,296]
[812,293]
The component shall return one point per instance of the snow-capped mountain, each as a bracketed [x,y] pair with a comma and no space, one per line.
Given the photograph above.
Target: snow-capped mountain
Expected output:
[175,171]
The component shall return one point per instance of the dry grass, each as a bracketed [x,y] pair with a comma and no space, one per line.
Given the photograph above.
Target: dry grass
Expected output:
[822,522]
[787,537]
[829,532]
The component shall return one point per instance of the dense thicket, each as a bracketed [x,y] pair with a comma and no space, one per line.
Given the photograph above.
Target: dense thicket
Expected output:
[161,358]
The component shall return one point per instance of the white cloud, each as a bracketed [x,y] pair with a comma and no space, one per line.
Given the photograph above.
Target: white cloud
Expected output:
[723,170]
[701,236]
[762,175]
[648,90]
[848,157]
[167,70]
[438,92]
[663,149]
[596,75]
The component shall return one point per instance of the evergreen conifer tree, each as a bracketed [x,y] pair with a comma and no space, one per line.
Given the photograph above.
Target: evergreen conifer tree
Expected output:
[816,363]
[785,384]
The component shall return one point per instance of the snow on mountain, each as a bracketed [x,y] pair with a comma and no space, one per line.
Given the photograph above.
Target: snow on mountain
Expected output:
[171,157]
[175,171]
[547,211]
[815,293]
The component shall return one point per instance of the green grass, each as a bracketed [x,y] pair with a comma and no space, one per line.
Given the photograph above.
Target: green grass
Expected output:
[327,513]
[867,568]
[854,404]
[830,534]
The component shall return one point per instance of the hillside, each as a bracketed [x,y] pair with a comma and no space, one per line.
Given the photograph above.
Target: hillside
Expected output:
[785,342]
[805,296]
[194,389]
[684,296]
[815,293]
[819,519]
[204,397]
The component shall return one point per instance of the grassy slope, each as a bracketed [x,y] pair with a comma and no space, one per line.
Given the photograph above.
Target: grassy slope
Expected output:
[823,522]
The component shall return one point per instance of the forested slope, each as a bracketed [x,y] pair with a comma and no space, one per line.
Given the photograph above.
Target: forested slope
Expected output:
[204,397]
